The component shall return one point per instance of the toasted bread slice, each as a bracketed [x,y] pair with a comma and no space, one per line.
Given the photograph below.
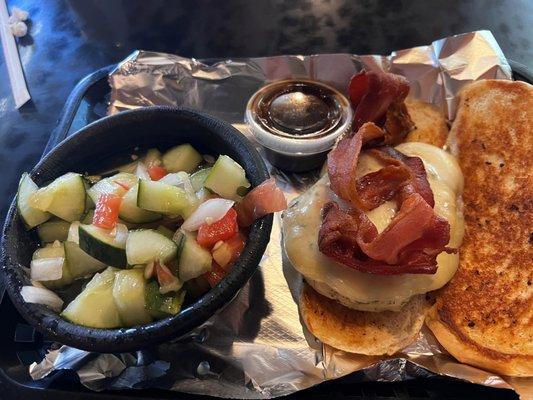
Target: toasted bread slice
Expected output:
[484,317]
[430,123]
[362,332]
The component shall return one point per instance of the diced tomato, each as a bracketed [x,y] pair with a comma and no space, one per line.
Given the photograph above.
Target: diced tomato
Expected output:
[223,229]
[107,209]
[156,172]
[262,200]
[236,244]
[122,184]
[216,274]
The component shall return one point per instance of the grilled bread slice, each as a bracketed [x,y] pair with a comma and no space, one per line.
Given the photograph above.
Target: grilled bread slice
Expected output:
[484,317]
[430,123]
[362,332]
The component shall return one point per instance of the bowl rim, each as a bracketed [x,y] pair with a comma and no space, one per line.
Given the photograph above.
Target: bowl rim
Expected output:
[104,340]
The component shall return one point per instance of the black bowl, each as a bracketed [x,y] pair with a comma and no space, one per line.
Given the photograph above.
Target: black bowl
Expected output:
[113,138]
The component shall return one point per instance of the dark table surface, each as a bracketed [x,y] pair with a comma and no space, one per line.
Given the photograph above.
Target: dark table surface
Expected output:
[69,39]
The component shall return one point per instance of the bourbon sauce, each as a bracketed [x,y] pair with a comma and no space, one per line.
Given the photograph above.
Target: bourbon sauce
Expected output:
[297,122]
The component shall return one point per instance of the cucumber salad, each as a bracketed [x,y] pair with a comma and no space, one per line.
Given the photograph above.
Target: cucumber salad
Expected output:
[145,239]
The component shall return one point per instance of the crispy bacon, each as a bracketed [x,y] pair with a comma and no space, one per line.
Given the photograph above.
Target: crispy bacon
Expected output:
[415,236]
[342,163]
[398,124]
[371,93]
[418,183]
[379,97]
[414,225]
[371,133]
[377,187]
[371,190]
[403,247]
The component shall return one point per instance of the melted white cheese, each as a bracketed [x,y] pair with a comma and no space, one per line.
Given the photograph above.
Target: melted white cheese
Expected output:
[302,220]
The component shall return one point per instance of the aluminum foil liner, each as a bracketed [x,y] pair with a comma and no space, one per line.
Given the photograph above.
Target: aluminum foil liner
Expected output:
[256,347]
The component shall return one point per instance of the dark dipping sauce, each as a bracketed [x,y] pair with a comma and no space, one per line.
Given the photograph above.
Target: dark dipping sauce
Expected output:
[299,109]
[298,113]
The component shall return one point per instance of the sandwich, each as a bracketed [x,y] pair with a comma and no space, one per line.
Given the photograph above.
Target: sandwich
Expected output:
[382,228]
[484,316]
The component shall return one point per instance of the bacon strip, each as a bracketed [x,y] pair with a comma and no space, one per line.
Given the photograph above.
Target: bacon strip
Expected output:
[398,124]
[379,97]
[418,183]
[373,92]
[342,163]
[416,228]
[371,190]
[377,187]
[354,242]
[415,236]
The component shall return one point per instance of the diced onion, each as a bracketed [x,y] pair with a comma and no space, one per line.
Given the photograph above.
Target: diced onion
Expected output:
[38,284]
[37,295]
[175,178]
[120,232]
[204,194]
[183,181]
[222,254]
[73,232]
[211,211]
[47,269]
[142,172]
[149,270]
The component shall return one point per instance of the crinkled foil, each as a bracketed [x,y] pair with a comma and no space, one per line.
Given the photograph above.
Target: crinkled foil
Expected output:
[256,347]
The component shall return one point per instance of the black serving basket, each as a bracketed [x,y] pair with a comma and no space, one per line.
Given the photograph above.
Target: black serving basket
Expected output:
[21,345]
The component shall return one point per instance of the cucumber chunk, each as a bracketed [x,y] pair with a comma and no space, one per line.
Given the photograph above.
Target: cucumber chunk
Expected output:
[80,263]
[152,158]
[30,216]
[95,306]
[162,198]
[162,305]
[89,203]
[199,177]
[226,178]
[64,197]
[99,244]
[53,230]
[110,186]
[147,245]
[165,231]
[182,158]
[88,217]
[129,211]
[128,292]
[193,259]
[182,180]
[55,250]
